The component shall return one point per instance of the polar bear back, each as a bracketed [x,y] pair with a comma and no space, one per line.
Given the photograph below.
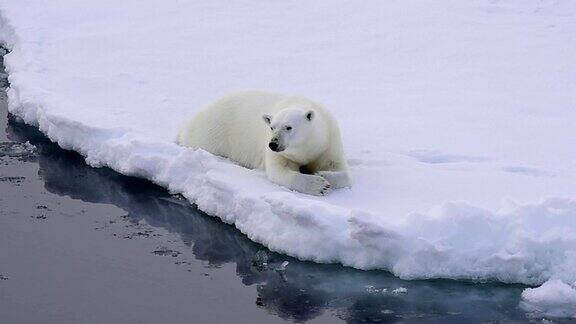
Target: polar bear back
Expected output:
[233,127]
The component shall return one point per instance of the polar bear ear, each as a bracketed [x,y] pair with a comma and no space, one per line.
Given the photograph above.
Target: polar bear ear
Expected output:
[267,119]
[310,115]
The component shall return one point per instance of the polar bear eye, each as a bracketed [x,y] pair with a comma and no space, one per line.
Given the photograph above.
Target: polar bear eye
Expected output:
[288,128]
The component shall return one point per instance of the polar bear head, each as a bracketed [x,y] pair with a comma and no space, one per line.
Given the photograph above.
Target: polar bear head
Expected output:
[299,134]
[289,128]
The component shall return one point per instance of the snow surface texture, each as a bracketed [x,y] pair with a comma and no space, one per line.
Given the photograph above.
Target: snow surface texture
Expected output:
[458,119]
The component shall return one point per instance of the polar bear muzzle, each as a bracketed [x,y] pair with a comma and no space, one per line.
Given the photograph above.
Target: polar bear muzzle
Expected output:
[273,145]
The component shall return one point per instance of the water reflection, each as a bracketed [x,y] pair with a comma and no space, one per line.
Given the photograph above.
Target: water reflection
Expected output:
[299,293]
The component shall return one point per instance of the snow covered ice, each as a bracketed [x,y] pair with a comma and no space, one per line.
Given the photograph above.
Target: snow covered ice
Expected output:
[458,120]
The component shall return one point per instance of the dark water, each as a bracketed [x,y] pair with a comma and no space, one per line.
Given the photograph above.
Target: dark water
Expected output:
[80,244]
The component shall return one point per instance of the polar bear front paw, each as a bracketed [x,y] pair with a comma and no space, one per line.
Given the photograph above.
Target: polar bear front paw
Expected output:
[337,179]
[317,185]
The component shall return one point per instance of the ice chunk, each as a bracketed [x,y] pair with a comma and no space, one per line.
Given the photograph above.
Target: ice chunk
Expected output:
[282,266]
[554,298]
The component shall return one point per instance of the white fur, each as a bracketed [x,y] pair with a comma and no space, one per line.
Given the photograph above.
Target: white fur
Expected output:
[241,126]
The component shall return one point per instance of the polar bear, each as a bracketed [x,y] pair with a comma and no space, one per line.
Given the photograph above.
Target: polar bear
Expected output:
[296,141]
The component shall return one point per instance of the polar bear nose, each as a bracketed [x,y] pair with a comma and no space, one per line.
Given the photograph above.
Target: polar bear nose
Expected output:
[273,146]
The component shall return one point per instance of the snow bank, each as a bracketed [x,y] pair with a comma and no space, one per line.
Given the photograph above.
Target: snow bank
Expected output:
[458,119]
